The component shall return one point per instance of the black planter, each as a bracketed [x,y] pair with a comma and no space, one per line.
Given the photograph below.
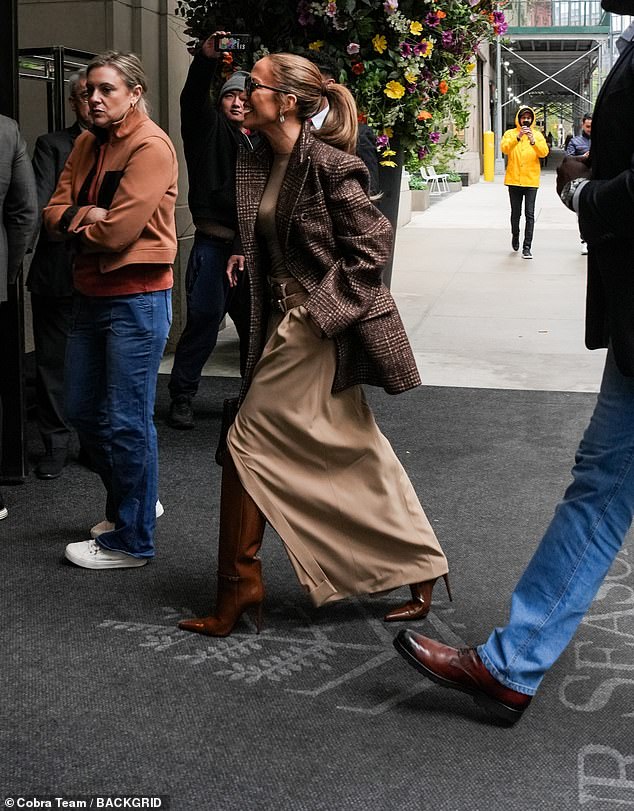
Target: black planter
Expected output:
[390,182]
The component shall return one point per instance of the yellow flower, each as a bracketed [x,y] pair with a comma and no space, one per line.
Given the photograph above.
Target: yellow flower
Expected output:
[380,43]
[387,163]
[471,67]
[389,132]
[317,45]
[428,47]
[410,77]
[416,28]
[388,152]
[394,90]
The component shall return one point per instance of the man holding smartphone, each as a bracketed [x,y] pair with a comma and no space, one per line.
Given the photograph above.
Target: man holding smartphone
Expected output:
[524,146]
[211,135]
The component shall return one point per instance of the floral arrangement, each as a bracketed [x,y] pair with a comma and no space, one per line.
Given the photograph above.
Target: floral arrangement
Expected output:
[408,63]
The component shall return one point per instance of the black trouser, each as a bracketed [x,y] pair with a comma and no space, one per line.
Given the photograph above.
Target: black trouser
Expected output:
[516,195]
[51,325]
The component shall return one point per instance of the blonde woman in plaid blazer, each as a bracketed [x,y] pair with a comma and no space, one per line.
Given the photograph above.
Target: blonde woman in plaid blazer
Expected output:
[304,452]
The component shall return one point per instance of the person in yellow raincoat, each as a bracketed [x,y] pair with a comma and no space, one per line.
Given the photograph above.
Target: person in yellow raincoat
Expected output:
[524,145]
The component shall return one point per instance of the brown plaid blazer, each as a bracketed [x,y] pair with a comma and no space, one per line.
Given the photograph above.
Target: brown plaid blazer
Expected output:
[336,243]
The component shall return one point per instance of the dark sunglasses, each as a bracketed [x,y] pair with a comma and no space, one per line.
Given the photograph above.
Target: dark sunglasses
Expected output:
[250,85]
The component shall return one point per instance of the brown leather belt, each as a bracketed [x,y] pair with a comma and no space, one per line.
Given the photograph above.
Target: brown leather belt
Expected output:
[286,295]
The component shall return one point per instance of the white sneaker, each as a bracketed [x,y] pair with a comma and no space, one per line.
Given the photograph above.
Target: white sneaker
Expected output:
[92,556]
[584,248]
[108,526]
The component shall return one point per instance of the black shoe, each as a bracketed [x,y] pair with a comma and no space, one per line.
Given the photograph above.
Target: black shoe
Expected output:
[515,243]
[526,253]
[181,413]
[3,510]
[52,463]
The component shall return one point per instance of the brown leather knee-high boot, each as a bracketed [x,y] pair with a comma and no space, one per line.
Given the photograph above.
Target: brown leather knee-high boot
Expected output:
[240,586]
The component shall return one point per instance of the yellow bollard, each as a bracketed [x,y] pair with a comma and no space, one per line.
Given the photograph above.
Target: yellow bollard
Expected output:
[488,155]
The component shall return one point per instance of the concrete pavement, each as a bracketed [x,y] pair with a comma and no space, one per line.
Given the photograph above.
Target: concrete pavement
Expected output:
[477,314]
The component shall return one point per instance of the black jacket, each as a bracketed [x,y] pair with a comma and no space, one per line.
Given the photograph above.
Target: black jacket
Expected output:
[211,147]
[51,272]
[606,217]
[366,150]
[18,203]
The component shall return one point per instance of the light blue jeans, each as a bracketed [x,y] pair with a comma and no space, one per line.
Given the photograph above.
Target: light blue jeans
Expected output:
[112,361]
[585,535]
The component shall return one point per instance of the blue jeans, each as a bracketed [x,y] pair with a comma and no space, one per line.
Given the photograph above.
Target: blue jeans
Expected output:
[209,299]
[112,362]
[585,535]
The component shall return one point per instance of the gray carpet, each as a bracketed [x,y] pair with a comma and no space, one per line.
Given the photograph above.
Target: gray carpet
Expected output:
[102,694]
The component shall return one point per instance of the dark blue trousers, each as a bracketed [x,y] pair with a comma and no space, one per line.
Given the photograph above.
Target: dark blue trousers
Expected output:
[209,299]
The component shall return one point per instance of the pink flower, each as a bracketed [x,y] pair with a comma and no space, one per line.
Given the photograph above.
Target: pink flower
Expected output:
[390,6]
[331,9]
[353,48]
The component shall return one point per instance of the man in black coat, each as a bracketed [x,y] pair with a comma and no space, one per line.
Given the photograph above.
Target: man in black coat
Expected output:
[211,135]
[595,514]
[18,217]
[51,286]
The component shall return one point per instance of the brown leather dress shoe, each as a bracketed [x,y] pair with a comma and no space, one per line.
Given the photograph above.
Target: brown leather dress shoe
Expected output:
[461,669]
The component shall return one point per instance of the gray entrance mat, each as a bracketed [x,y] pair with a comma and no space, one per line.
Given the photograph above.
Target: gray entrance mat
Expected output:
[103,695]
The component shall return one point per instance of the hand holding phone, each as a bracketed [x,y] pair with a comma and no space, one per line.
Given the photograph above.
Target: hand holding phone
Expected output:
[233,42]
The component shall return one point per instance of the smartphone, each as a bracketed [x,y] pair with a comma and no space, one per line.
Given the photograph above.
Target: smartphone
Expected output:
[235,42]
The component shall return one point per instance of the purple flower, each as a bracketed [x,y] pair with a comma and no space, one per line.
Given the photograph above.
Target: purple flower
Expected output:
[423,152]
[305,18]
[353,48]
[390,6]
[411,88]
[454,70]
[498,17]
[382,141]
[434,137]
[432,19]
[406,49]
[447,38]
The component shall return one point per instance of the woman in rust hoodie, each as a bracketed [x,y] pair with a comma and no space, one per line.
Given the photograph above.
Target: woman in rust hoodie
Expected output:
[114,205]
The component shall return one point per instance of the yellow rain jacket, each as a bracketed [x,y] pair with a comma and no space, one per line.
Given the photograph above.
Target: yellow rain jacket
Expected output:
[523,167]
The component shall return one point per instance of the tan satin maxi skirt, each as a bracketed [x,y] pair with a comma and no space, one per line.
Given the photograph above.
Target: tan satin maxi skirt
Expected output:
[324,476]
